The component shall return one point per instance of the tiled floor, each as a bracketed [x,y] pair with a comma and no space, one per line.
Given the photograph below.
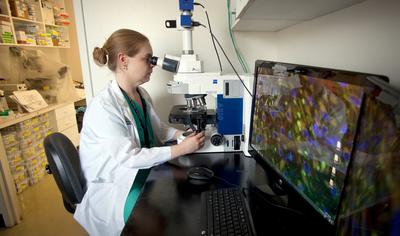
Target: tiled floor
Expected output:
[44,213]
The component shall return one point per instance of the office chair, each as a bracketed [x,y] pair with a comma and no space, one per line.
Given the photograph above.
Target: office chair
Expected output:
[64,164]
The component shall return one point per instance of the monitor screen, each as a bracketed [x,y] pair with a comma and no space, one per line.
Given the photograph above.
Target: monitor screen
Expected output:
[304,124]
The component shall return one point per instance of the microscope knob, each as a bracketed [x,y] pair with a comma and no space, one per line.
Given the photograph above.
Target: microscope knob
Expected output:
[216,139]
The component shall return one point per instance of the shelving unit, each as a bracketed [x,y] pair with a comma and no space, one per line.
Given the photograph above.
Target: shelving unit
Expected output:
[274,15]
[34,23]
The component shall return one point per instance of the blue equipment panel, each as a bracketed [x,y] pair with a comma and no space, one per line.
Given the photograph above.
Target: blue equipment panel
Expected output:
[229,115]
[186,5]
[186,21]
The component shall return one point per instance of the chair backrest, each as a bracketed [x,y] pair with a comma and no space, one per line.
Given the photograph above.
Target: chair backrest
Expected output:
[64,164]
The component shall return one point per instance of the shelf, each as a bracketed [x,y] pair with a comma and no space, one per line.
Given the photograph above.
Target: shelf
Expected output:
[274,15]
[58,26]
[28,45]
[6,16]
[26,20]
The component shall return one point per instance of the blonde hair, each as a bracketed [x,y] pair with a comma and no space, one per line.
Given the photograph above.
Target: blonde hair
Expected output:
[124,41]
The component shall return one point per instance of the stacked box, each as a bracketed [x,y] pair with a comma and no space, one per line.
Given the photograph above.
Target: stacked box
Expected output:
[34,156]
[6,35]
[44,39]
[23,143]
[21,36]
[14,157]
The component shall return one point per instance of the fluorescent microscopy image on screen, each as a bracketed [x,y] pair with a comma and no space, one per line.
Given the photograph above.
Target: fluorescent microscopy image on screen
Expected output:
[304,127]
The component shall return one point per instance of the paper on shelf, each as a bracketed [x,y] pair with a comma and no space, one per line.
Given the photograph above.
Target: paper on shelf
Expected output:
[30,100]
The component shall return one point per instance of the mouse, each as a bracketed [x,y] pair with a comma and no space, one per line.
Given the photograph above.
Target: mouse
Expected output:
[199,175]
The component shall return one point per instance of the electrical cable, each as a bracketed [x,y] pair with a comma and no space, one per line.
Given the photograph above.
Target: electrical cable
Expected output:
[251,95]
[227,58]
[212,39]
[238,54]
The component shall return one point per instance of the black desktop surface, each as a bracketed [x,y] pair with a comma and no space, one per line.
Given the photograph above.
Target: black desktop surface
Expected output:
[170,205]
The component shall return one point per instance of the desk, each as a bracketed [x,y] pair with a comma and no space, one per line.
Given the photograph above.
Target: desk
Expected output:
[170,205]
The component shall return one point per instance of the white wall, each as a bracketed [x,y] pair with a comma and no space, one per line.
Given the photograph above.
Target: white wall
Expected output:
[102,17]
[364,37]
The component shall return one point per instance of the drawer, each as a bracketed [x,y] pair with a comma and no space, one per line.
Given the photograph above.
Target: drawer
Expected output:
[65,122]
[73,134]
[65,111]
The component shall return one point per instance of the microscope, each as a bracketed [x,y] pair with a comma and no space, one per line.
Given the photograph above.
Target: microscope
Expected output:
[223,125]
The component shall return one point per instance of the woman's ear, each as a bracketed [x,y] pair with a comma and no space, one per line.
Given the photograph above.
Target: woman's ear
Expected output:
[122,59]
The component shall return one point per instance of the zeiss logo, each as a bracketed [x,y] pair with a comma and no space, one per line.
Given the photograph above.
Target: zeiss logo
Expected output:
[215,81]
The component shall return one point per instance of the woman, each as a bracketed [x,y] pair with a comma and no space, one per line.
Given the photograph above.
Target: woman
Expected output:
[122,136]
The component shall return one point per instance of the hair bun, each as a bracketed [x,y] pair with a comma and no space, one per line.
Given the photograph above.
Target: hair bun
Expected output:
[100,56]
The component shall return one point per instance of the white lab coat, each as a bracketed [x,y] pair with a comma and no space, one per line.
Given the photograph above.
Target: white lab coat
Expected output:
[110,157]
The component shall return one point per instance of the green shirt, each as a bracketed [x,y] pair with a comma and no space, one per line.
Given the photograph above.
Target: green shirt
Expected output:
[147,140]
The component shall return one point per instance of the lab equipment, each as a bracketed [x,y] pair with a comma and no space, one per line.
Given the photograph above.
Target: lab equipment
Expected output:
[223,123]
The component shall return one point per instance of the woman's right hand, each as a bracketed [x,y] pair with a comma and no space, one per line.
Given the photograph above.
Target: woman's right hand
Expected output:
[190,144]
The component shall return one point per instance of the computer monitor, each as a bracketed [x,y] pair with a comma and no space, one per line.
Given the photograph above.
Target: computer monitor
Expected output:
[304,125]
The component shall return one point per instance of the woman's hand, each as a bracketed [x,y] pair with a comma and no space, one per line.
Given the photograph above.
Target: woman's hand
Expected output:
[190,144]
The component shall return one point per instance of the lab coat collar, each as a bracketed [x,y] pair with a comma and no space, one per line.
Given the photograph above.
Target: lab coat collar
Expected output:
[118,94]
[120,97]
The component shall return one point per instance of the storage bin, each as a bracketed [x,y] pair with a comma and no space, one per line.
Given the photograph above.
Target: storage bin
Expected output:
[26,143]
[21,186]
[12,150]
[19,176]
[28,152]
[17,167]
[9,138]
[15,158]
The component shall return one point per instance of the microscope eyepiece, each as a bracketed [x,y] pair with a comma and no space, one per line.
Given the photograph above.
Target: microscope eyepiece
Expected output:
[153,61]
[168,64]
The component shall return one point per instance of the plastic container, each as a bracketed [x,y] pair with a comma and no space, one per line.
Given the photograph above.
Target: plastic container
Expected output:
[35,129]
[37,177]
[15,158]
[34,170]
[35,121]
[9,138]
[19,176]
[28,152]
[17,167]
[44,117]
[25,133]
[21,186]
[32,162]
[26,143]
[12,150]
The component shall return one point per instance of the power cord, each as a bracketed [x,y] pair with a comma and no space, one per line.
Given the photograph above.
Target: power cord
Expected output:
[212,39]
[220,46]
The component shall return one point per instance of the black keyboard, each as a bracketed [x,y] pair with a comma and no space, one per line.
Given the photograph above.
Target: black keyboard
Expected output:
[225,212]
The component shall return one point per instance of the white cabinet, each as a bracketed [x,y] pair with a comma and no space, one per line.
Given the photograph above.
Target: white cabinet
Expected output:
[274,15]
[38,23]
[63,120]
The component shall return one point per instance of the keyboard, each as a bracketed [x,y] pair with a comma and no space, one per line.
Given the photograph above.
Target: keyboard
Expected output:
[225,212]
